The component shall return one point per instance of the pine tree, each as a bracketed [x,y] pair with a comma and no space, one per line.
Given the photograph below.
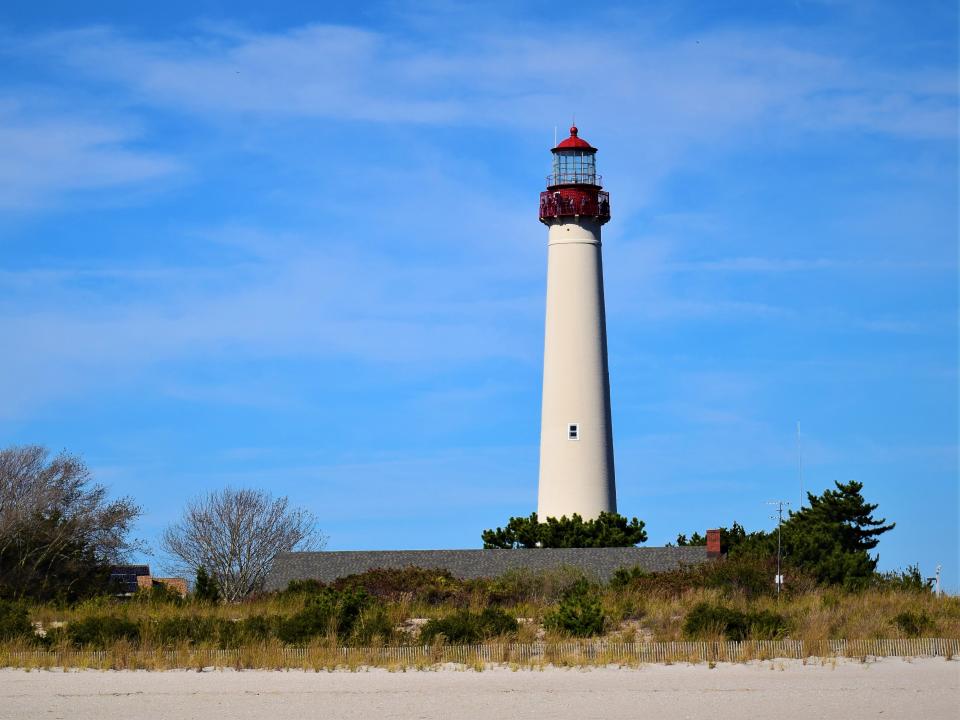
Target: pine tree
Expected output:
[205,587]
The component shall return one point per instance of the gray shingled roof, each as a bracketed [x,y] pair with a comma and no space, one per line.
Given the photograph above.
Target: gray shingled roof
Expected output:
[599,563]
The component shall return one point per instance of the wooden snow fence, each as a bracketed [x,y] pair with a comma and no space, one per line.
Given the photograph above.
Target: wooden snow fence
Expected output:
[523,654]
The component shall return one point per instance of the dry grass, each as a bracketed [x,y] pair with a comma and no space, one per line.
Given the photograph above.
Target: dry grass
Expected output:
[642,626]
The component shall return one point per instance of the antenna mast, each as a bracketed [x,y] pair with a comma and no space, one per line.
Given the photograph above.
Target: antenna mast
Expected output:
[779,518]
[799,464]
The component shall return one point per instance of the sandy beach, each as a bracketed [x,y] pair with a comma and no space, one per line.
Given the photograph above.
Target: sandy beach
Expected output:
[889,688]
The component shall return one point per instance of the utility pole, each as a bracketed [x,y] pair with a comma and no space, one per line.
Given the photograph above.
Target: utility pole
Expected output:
[780,504]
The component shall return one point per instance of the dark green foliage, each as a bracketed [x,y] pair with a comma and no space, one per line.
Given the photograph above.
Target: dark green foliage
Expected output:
[747,576]
[14,621]
[159,594]
[421,584]
[913,624]
[524,585]
[730,538]
[832,537]
[101,631]
[62,534]
[304,587]
[830,540]
[608,530]
[467,627]
[706,621]
[327,612]
[373,624]
[625,577]
[205,587]
[257,628]
[579,612]
[181,629]
[909,580]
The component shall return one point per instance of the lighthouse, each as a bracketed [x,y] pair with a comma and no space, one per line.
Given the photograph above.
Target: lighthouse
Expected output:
[576,435]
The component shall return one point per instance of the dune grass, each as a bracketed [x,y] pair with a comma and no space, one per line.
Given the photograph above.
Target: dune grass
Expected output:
[378,618]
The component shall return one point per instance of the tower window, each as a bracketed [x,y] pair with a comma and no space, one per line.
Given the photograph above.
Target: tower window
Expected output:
[573,431]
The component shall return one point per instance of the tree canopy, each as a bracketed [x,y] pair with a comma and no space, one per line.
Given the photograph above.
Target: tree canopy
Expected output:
[233,537]
[607,530]
[831,538]
[59,531]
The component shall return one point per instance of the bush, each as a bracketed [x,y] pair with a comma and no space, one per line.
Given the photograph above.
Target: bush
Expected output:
[324,613]
[524,585]
[101,631]
[909,580]
[14,621]
[159,594]
[579,612]
[427,585]
[913,624]
[467,627]
[205,587]
[706,621]
[191,629]
[746,576]
[304,587]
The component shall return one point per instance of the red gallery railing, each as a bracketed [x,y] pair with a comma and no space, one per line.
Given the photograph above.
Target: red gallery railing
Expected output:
[568,202]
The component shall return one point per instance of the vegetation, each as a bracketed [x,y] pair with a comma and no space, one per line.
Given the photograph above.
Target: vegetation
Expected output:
[234,535]
[608,530]
[707,621]
[579,612]
[731,598]
[829,540]
[464,626]
[59,531]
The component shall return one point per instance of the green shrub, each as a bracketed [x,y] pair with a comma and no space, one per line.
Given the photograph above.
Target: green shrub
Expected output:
[101,631]
[625,577]
[579,612]
[14,621]
[327,612]
[159,594]
[205,587]
[706,621]
[913,624]
[909,580]
[257,628]
[467,627]
[373,623]
[427,585]
[191,629]
[304,587]
[523,585]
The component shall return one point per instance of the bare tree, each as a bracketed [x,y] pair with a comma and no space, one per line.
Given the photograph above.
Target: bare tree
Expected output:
[236,534]
[59,532]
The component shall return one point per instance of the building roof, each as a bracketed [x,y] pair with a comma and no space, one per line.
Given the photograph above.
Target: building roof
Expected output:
[574,142]
[599,563]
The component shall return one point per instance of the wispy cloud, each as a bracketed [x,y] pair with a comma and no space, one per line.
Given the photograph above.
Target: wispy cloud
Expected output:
[46,152]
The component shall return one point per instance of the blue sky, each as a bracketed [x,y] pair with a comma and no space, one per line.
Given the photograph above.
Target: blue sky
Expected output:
[295,247]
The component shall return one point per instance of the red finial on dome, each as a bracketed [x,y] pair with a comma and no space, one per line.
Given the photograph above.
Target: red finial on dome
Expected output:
[573,131]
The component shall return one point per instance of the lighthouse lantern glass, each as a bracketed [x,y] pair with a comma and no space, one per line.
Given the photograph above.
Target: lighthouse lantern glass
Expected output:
[574,167]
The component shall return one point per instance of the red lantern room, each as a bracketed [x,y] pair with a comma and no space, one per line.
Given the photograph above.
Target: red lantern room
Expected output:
[574,188]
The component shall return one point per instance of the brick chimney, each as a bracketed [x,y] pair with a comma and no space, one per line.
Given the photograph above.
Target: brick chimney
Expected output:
[713,544]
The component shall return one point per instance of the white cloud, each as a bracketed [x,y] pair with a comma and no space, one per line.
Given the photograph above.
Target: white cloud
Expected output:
[48,152]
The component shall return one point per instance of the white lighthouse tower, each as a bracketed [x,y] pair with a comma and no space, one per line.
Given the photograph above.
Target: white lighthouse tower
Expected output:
[576,436]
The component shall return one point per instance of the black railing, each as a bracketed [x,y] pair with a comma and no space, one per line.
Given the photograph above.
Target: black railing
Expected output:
[574,178]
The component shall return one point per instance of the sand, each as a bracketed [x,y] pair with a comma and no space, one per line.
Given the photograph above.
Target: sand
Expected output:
[891,688]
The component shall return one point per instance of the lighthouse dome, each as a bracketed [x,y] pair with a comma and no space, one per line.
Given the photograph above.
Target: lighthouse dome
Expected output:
[575,142]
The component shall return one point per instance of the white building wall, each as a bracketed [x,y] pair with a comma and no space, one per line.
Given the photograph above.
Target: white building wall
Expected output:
[576,476]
